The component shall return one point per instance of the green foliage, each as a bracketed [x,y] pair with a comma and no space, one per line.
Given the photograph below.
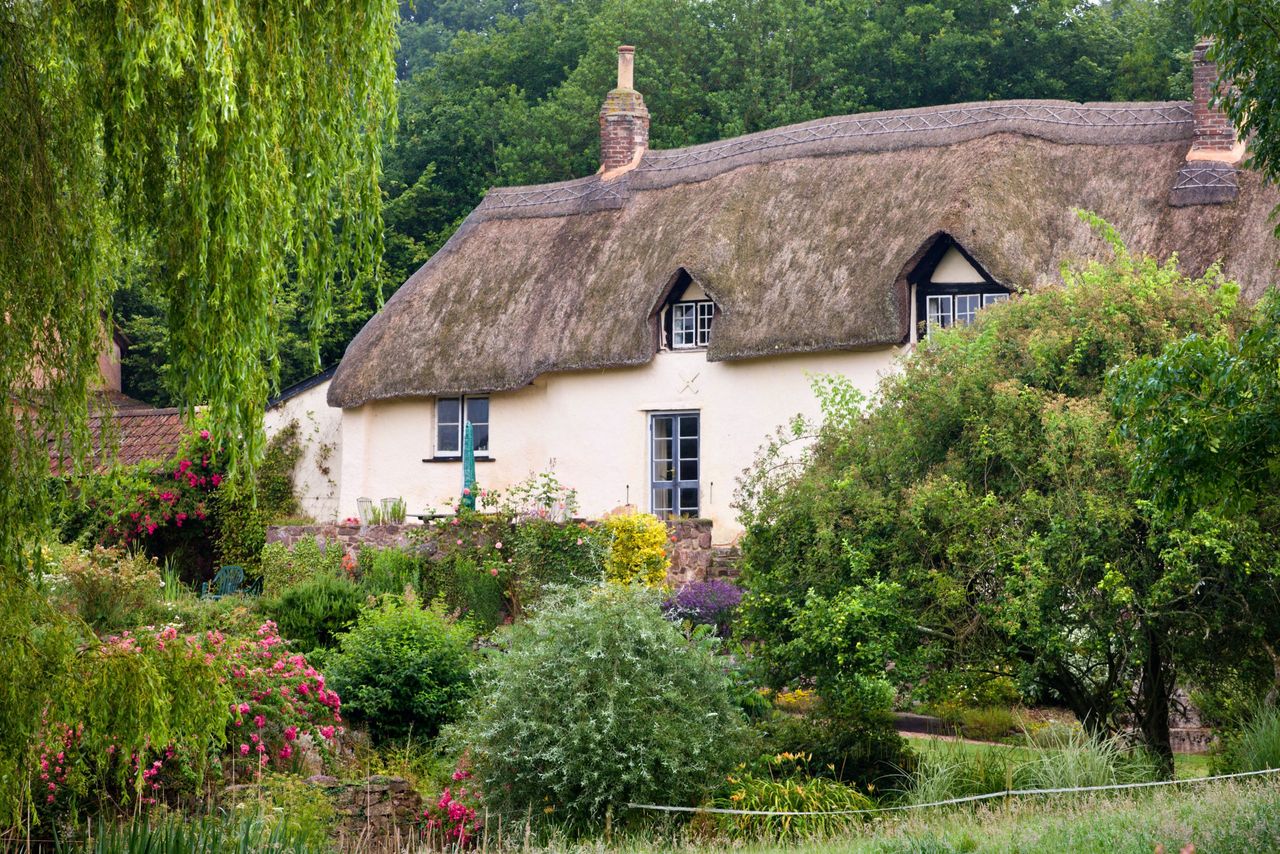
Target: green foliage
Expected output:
[987,723]
[282,567]
[313,612]
[848,736]
[403,669]
[107,588]
[637,549]
[389,570]
[241,530]
[275,476]
[789,788]
[1255,746]
[179,834]
[1071,758]
[597,701]
[980,517]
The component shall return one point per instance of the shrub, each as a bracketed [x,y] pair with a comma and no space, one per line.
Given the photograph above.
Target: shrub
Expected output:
[789,788]
[241,530]
[953,770]
[598,701]
[637,549]
[547,554]
[280,702]
[403,668]
[1254,747]
[988,723]
[313,612]
[388,570]
[282,567]
[847,732]
[705,603]
[107,588]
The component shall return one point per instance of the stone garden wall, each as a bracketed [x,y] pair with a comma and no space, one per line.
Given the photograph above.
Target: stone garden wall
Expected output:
[693,557]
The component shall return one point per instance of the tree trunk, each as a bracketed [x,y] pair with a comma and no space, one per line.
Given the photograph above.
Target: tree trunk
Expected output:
[1153,702]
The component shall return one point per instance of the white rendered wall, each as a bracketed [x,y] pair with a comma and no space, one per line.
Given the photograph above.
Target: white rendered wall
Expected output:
[592,429]
[953,269]
[315,477]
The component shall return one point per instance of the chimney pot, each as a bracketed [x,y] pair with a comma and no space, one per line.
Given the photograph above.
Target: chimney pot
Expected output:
[626,67]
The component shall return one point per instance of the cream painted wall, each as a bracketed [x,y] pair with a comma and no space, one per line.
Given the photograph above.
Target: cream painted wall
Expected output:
[953,269]
[315,477]
[591,429]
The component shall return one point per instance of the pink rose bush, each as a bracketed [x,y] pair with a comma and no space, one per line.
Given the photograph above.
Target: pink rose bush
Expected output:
[452,820]
[280,698]
[157,711]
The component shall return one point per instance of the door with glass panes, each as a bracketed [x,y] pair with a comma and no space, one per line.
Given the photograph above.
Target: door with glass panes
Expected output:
[675,454]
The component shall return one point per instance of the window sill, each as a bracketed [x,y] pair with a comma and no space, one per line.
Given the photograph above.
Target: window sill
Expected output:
[479,459]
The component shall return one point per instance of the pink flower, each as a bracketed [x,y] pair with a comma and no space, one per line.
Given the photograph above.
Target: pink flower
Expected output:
[244,750]
[459,542]
[454,522]
[286,752]
[259,721]
[216,479]
[579,540]
[466,491]
[493,571]
[204,434]
[290,733]
[326,731]
[498,545]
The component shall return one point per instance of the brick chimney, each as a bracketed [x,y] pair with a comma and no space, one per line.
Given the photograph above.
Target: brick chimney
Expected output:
[624,120]
[1208,176]
[1215,136]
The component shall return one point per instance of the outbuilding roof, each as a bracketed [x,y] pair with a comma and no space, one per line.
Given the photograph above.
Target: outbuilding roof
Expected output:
[803,235]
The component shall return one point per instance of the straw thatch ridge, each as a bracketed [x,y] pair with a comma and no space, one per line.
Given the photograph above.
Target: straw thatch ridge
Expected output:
[803,250]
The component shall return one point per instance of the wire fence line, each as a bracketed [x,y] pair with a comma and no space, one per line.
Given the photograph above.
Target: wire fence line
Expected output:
[1005,793]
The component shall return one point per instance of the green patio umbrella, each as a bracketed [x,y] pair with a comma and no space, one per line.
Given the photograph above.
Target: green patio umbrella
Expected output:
[468,467]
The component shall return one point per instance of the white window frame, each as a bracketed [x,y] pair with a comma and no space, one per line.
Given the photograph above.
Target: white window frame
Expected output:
[965,319]
[463,407]
[945,315]
[992,299]
[700,314]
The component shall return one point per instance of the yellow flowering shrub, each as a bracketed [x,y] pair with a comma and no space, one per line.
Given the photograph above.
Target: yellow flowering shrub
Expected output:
[637,549]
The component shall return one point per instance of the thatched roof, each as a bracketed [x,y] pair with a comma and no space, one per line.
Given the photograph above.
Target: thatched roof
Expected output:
[803,235]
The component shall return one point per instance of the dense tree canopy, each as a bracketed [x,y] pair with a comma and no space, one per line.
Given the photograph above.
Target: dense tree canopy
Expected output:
[495,92]
[982,518]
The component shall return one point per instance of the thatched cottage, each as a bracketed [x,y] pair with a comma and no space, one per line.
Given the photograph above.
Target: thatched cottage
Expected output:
[641,331]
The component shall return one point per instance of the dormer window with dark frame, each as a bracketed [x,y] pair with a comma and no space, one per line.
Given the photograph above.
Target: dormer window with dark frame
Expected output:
[687,315]
[950,287]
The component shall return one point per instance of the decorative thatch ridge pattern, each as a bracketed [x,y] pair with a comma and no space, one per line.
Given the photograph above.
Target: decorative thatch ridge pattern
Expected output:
[803,235]
[1204,182]
[1056,121]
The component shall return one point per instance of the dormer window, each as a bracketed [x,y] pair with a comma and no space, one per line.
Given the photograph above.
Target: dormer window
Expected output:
[687,315]
[691,323]
[950,288]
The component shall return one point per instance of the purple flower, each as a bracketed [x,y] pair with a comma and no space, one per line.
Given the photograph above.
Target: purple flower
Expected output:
[709,603]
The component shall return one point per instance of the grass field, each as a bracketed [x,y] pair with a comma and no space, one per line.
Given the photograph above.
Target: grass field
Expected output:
[1218,818]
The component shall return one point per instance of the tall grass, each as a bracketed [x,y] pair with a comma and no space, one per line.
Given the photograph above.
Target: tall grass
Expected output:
[177,834]
[1074,759]
[1256,747]
[1068,759]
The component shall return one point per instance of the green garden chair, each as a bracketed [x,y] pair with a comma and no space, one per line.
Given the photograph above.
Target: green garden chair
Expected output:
[225,583]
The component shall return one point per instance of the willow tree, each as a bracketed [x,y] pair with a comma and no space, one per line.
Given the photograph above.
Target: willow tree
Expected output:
[232,143]
[235,142]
